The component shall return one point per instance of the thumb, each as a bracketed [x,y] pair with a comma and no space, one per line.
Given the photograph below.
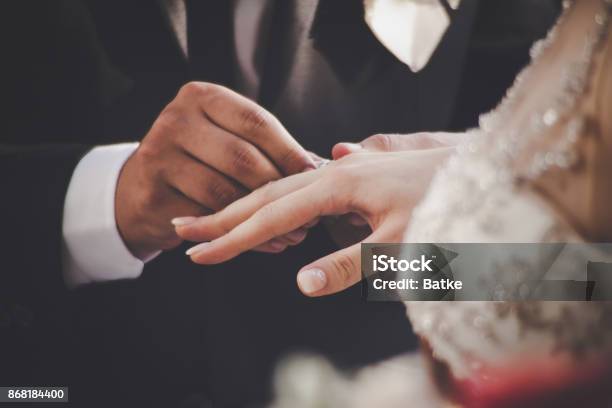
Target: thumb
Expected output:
[332,273]
[342,269]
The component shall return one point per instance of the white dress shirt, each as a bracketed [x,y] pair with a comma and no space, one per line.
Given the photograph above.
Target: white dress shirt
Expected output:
[93,250]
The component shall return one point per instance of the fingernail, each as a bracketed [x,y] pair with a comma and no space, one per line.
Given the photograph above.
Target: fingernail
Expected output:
[296,236]
[311,280]
[356,220]
[197,248]
[277,245]
[182,221]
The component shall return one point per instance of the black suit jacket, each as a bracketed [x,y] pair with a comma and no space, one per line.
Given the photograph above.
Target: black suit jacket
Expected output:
[83,73]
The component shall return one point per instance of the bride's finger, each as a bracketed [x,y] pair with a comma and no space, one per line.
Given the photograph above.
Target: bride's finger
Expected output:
[273,220]
[338,271]
[220,223]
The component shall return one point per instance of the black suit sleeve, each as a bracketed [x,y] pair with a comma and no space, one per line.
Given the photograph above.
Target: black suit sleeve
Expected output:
[58,83]
[34,182]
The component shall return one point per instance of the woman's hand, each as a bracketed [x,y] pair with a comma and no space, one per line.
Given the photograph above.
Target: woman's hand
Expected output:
[382,188]
[279,244]
[351,228]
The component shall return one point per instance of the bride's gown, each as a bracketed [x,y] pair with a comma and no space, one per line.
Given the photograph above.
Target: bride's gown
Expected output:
[536,170]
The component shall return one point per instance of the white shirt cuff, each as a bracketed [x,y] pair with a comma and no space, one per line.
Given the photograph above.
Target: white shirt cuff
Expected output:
[93,249]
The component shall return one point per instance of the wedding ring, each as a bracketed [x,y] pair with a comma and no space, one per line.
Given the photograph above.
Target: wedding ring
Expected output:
[323,163]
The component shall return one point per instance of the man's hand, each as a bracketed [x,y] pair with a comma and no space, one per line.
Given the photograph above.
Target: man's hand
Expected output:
[206,149]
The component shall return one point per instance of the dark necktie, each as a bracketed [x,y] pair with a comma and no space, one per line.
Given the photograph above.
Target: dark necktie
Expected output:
[210,40]
[341,34]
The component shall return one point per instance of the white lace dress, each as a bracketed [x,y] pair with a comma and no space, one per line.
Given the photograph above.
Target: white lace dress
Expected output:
[477,198]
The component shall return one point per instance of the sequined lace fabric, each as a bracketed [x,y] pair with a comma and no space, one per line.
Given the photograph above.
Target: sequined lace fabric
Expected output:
[477,197]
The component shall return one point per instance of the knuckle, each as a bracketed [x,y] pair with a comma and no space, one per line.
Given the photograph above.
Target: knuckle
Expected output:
[267,213]
[170,121]
[424,140]
[293,158]
[255,119]
[266,192]
[148,151]
[195,88]
[148,157]
[345,269]
[150,199]
[220,225]
[243,157]
[222,193]
[382,141]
